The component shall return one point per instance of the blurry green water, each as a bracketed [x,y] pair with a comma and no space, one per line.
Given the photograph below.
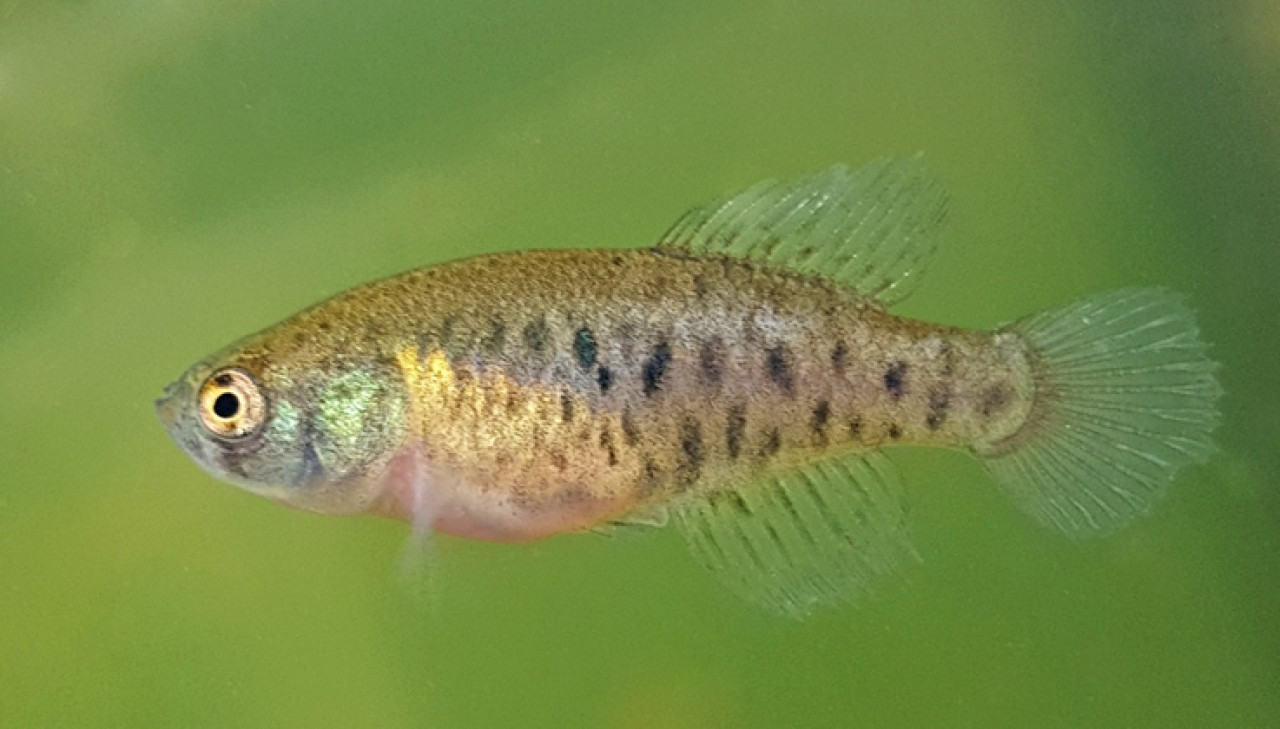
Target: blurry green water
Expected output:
[175,175]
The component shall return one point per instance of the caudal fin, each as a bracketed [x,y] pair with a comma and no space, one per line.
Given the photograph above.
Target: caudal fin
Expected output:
[1125,397]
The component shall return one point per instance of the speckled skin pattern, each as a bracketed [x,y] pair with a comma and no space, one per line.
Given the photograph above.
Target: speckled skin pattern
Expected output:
[515,396]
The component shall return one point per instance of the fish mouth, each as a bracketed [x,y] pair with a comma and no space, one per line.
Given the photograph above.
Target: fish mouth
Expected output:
[167,406]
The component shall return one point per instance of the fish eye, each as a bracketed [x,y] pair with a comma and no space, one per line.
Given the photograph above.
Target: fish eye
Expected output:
[231,405]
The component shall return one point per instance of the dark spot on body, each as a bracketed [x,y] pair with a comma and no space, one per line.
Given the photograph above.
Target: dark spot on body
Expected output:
[939,403]
[566,407]
[818,422]
[691,451]
[894,431]
[779,369]
[604,378]
[894,378]
[839,358]
[855,427]
[559,460]
[994,399]
[772,442]
[584,348]
[655,368]
[536,335]
[630,430]
[735,430]
[711,361]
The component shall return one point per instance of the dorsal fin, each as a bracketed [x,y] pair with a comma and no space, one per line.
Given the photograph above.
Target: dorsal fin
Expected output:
[872,229]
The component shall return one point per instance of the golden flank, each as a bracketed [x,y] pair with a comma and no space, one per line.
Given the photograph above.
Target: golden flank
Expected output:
[739,378]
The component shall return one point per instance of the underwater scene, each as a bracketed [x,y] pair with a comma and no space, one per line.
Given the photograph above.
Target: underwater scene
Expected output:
[968,418]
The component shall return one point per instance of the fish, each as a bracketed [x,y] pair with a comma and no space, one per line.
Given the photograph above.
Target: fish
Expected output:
[740,379]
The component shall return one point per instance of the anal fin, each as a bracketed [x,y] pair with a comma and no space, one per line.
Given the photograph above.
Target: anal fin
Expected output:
[805,538]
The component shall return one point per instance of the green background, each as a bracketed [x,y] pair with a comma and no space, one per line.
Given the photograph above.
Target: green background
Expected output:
[176,174]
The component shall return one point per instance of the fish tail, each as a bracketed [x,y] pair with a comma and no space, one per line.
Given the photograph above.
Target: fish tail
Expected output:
[1124,397]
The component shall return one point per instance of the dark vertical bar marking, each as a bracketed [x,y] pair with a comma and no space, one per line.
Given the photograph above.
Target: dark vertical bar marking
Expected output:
[536,334]
[839,358]
[711,361]
[818,422]
[691,451]
[584,348]
[735,430]
[779,369]
[894,380]
[447,330]
[496,339]
[772,442]
[655,368]
[629,429]
[994,399]
[566,407]
[652,475]
[939,403]
[700,286]
[604,378]
[560,460]
[606,442]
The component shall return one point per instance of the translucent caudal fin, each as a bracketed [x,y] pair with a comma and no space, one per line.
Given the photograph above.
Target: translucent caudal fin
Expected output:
[1125,397]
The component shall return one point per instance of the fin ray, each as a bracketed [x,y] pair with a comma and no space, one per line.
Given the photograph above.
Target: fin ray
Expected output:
[872,228]
[804,538]
[1126,397]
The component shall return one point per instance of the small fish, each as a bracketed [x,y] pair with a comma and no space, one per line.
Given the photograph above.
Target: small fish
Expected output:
[740,379]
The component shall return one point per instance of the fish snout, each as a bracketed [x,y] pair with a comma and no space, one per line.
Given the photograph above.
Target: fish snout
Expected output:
[167,406]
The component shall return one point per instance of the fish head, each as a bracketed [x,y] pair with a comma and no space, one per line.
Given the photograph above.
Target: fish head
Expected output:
[308,432]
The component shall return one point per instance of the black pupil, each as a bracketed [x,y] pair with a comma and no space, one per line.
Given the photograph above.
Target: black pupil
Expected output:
[226,405]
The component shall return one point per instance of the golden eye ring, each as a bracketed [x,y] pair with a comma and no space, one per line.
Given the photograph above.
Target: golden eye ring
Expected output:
[231,404]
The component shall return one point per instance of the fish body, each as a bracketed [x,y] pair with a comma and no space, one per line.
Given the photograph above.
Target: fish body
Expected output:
[742,375]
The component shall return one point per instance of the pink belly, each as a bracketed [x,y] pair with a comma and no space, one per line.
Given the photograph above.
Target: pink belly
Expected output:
[435,499]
